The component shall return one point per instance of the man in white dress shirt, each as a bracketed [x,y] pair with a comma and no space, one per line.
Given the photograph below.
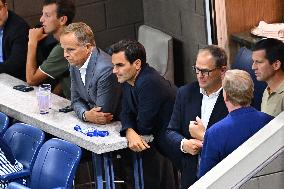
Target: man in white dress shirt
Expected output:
[95,92]
[202,99]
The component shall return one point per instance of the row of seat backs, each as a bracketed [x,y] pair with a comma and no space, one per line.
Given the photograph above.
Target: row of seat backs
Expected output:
[52,164]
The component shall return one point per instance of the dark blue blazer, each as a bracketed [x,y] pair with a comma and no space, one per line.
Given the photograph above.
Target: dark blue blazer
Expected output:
[228,134]
[14,45]
[186,108]
[147,106]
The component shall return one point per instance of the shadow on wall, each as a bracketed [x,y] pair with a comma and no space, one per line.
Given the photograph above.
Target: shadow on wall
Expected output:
[178,62]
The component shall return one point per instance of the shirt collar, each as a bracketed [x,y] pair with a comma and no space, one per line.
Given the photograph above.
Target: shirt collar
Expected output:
[203,92]
[279,89]
[85,65]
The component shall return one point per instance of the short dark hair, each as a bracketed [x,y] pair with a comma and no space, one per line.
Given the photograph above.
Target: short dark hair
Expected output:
[274,50]
[64,8]
[218,54]
[132,49]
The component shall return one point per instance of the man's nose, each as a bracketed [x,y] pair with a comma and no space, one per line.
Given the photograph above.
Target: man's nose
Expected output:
[114,70]
[41,19]
[66,55]
[253,66]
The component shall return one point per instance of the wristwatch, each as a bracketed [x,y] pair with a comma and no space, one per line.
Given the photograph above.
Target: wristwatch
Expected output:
[84,116]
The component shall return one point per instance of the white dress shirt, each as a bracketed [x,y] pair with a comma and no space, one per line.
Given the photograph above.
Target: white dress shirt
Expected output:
[208,103]
[83,69]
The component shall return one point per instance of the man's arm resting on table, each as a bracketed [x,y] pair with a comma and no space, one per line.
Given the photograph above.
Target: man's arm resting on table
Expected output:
[135,142]
[96,116]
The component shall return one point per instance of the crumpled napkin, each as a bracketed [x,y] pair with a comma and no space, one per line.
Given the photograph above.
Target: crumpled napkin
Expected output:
[275,30]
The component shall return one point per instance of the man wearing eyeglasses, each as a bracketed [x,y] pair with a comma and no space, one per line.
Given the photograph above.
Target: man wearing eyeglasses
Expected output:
[13,42]
[202,99]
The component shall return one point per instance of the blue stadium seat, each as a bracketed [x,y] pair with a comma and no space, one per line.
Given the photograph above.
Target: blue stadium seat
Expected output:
[55,166]
[25,142]
[4,123]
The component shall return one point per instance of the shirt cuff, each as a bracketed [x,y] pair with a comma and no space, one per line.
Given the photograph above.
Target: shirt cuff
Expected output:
[181,145]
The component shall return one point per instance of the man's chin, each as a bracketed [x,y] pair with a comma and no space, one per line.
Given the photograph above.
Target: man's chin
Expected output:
[120,80]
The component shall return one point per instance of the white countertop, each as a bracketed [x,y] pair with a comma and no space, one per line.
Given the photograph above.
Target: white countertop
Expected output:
[23,107]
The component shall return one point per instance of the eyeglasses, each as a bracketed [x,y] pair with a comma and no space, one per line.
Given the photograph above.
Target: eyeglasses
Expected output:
[204,72]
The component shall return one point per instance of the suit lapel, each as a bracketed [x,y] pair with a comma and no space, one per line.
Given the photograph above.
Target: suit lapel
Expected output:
[219,110]
[91,68]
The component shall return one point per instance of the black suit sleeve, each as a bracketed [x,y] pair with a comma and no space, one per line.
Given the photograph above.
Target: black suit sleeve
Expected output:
[15,39]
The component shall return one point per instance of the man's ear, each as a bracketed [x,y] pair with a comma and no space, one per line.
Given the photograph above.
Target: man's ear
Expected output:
[137,64]
[276,65]
[223,71]
[225,96]
[89,46]
[63,20]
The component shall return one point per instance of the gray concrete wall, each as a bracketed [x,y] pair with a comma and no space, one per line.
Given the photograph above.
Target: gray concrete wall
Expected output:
[185,21]
[111,20]
[271,176]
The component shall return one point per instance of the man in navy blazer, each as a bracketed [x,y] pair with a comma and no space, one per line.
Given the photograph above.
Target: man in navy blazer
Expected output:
[202,99]
[147,104]
[239,125]
[95,92]
[15,33]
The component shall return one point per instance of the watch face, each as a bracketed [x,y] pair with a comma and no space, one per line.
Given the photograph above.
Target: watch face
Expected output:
[84,117]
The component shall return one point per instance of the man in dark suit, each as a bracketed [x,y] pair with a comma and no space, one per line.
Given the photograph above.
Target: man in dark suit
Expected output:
[95,92]
[147,104]
[239,125]
[14,37]
[202,99]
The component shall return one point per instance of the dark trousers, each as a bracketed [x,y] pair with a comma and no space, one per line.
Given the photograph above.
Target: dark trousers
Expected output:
[188,172]
[158,171]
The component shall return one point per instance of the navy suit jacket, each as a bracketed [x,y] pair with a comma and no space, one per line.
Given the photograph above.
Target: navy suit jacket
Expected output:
[14,45]
[186,108]
[101,87]
[228,134]
[147,106]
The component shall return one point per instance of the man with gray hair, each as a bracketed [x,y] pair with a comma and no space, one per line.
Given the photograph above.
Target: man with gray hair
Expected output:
[239,125]
[95,92]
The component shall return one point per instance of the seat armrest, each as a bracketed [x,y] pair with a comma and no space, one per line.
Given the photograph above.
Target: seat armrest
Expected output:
[15,175]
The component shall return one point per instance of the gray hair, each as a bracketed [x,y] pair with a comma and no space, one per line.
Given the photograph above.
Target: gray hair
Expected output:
[239,87]
[82,31]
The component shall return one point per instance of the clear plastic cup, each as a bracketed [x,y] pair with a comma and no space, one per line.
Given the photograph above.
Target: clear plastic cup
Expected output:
[46,88]
[43,99]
